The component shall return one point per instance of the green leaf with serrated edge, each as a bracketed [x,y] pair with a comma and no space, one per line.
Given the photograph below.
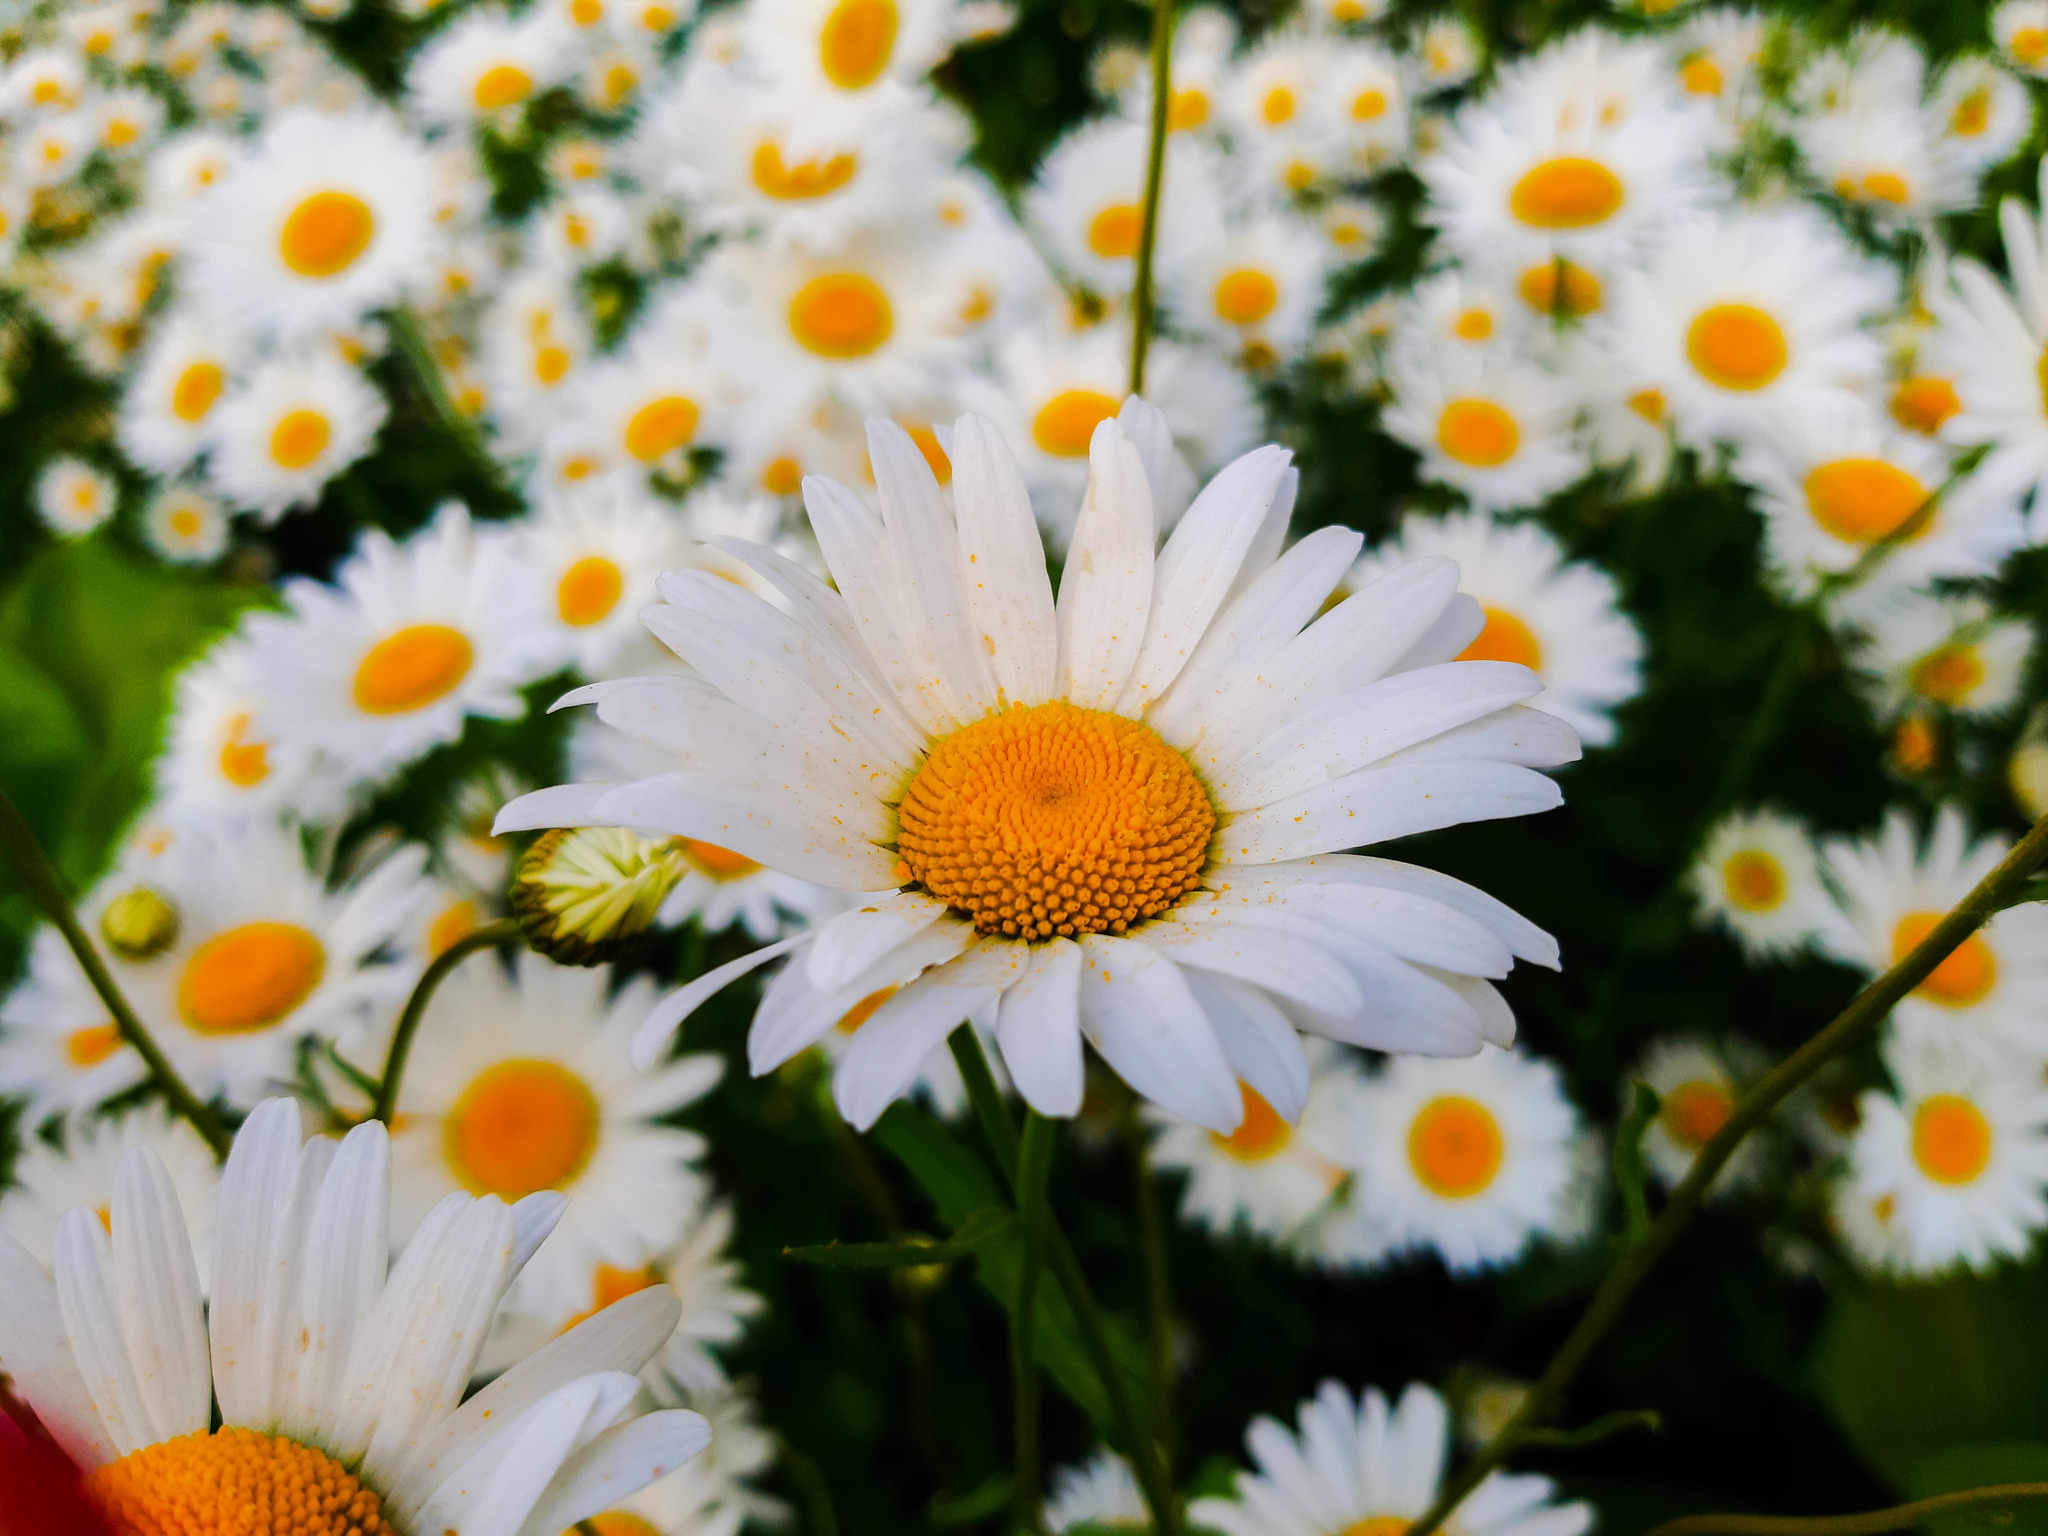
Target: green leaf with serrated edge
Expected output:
[980,1503]
[1628,1159]
[1604,1428]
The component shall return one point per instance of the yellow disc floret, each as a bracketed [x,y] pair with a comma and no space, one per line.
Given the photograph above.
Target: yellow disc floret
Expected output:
[1052,819]
[232,1483]
[522,1126]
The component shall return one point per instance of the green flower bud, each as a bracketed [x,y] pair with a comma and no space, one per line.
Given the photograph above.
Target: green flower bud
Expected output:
[584,893]
[139,924]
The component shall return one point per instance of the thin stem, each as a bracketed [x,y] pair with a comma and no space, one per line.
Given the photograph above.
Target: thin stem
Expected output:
[1158,1286]
[1034,1163]
[1898,1518]
[412,342]
[1863,1014]
[386,1103]
[47,891]
[1155,176]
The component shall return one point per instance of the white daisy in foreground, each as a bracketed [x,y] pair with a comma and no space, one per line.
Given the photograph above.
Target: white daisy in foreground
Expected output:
[1759,876]
[1179,801]
[523,1085]
[1101,1491]
[340,1386]
[1962,1154]
[1697,1085]
[1472,1158]
[1492,425]
[1360,1468]
[1991,993]
[73,498]
[1561,619]
[184,524]
[292,426]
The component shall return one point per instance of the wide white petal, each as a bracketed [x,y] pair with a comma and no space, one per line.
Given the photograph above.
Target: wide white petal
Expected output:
[1259,1041]
[768,822]
[891,1046]
[36,1355]
[348,1252]
[498,1489]
[1009,593]
[653,1036]
[1038,1028]
[1390,801]
[1272,954]
[617,1465]
[1522,937]
[795,1012]
[1106,586]
[92,1323]
[853,941]
[559,805]
[1138,1011]
[535,1217]
[156,1288]
[256,1189]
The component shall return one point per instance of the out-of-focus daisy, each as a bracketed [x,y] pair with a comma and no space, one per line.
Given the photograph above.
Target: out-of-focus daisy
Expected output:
[1991,993]
[488,65]
[1961,1153]
[1715,56]
[1088,203]
[184,524]
[297,422]
[1358,1465]
[640,409]
[535,341]
[413,639]
[1981,113]
[846,46]
[1759,876]
[710,1495]
[1927,651]
[188,164]
[995,705]
[73,498]
[1254,293]
[219,763]
[1470,1157]
[1495,427]
[1561,619]
[1697,1086]
[1889,162]
[1367,94]
[595,551]
[2020,28]
[339,1388]
[168,406]
[1623,424]
[42,81]
[129,121]
[1101,1491]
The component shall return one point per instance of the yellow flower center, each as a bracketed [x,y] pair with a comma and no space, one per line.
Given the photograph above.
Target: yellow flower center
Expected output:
[588,590]
[326,233]
[2030,45]
[719,863]
[1278,106]
[661,426]
[1052,819]
[933,450]
[233,1482]
[522,1126]
[249,978]
[586,13]
[1887,187]
[1186,110]
[1115,232]
[1701,75]
[1455,1146]
[1477,432]
[613,1285]
[243,763]
[1753,880]
[500,86]
[841,315]
[1569,192]
[1949,674]
[411,669]
[1376,1525]
[1066,423]
[1860,501]
[196,390]
[782,477]
[1648,404]
[856,42]
[1246,297]
[1693,1113]
[550,363]
[1972,114]
[299,438]
[186,522]
[92,1045]
[1951,1139]
[619,1522]
[1260,1135]
[1577,295]
[1472,325]
[1923,404]
[851,1021]
[807,178]
[1367,105]
[1964,978]
[1915,746]
[456,923]
[1736,346]
[1505,638]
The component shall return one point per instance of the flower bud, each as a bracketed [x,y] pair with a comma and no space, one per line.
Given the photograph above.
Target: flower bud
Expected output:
[584,893]
[139,924]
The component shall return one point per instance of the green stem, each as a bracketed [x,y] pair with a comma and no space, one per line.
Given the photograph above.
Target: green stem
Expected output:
[1034,1163]
[419,356]
[1158,1286]
[1898,1518]
[386,1103]
[1862,1015]
[1155,176]
[47,891]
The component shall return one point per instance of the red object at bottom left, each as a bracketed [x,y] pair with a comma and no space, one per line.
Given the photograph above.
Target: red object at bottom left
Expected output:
[41,1492]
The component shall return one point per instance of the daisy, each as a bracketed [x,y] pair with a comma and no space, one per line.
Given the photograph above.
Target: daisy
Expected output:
[906,712]
[642,408]
[1715,56]
[335,1381]
[710,1495]
[523,1085]
[42,81]
[1623,425]
[1962,1153]
[1448,53]
[1697,1086]
[168,406]
[1254,293]
[323,222]
[1927,651]
[486,66]
[52,150]
[1088,203]
[1101,1491]
[846,46]
[187,165]
[595,551]
[1491,425]
[1758,875]
[1741,317]
[73,498]
[1891,163]
[298,420]
[218,764]
[535,339]
[129,121]
[184,524]
[1981,113]
[1359,1466]
[413,639]
[1991,992]
[1367,94]
[1561,619]
[1273,94]
[2020,28]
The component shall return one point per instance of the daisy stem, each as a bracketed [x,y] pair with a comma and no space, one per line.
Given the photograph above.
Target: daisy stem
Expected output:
[1995,1499]
[1158,1286]
[1155,175]
[47,891]
[1865,1011]
[1034,1163]
[412,343]
[500,932]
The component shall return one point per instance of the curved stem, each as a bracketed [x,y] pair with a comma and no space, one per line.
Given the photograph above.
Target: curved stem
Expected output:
[411,340]
[386,1103]
[1034,1163]
[48,893]
[1155,176]
[1863,1014]
[1897,1518]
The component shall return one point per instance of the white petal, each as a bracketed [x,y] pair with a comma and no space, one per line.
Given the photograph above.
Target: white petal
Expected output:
[1106,586]
[617,1465]
[1261,1044]
[891,1046]
[1456,627]
[559,805]
[1522,937]
[1009,593]
[92,1323]
[348,1252]
[1038,1027]
[795,1012]
[765,821]
[1376,804]
[1147,428]
[493,1495]
[534,1220]
[852,942]
[256,1190]
[156,1287]
[1137,1009]
[1496,1018]
[1273,954]
[36,1354]
[653,1036]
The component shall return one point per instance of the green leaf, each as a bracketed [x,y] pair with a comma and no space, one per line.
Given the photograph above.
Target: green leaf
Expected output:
[974,1505]
[1628,1159]
[910,1253]
[1981,1466]
[38,724]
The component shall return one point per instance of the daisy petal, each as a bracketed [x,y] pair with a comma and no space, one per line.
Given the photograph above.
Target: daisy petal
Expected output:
[156,1286]
[36,1355]
[1038,1027]
[1138,1011]
[92,1322]
[890,1047]
[616,1465]
[654,1035]
[1009,594]
[1106,586]
[852,942]
[1262,1045]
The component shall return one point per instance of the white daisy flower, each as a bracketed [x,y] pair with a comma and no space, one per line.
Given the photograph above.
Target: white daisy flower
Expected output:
[709,1496]
[884,786]
[1981,113]
[1623,424]
[50,1180]
[168,405]
[523,1085]
[1351,227]
[846,46]
[1366,93]
[1358,1467]
[486,66]
[333,1378]
[1962,1154]
[2020,28]
[1715,56]
[595,551]
[184,524]
[325,221]
[295,423]
[535,339]
[1277,91]
[1448,53]
[129,121]
[1088,203]
[1697,1085]
[642,408]
[1101,1491]
[219,764]
[1489,424]
[187,165]
[1254,293]
[1924,650]
[73,498]
[413,639]
[1758,875]
[1743,316]
[1991,993]
[1561,619]
[1873,70]
[1890,162]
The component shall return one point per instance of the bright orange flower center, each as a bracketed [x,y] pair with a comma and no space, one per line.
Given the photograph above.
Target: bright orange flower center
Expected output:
[588,590]
[326,233]
[1246,297]
[1478,433]
[411,669]
[856,42]
[1951,1139]
[661,426]
[1753,880]
[1736,346]
[501,86]
[1455,1146]
[522,1126]
[805,179]
[196,390]
[1964,978]
[249,978]
[1860,501]
[1923,404]
[841,315]
[92,1045]
[613,1285]
[782,477]
[1261,1133]
[299,438]
[234,1482]
[1505,638]
[1693,1113]
[1566,193]
[1701,75]
[1576,296]
[620,1522]
[1116,231]
[1949,674]
[1065,424]
[243,763]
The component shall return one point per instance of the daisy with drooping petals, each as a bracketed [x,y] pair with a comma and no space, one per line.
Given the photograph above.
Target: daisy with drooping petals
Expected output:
[1101,1491]
[1561,619]
[292,426]
[414,638]
[595,551]
[1962,1154]
[1991,993]
[184,524]
[1358,1468]
[1493,426]
[341,1386]
[325,221]
[1141,721]
[1471,1158]
[488,66]
[1758,875]
[1697,1086]
[73,498]
[1926,651]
